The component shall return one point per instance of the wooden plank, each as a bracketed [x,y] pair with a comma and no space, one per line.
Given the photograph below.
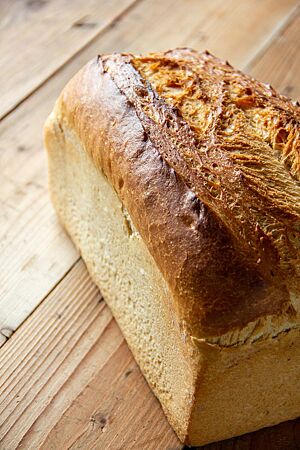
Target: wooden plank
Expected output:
[280,64]
[62,34]
[39,36]
[68,379]
[47,255]
[212,25]
[28,273]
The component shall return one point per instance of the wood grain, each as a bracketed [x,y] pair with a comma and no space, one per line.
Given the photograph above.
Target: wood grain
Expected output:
[35,253]
[38,36]
[280,64]
[63,28]
[68,379]
[234,30]
[28,271]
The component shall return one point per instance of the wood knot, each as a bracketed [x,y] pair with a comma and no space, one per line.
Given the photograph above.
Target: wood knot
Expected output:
[6,332]
[127,373]
[99,420]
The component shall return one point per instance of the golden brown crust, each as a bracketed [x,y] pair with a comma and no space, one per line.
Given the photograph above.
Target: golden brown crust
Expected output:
[244,161]
[222,272]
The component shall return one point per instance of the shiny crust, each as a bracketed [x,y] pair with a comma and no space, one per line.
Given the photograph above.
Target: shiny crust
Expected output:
[219,281]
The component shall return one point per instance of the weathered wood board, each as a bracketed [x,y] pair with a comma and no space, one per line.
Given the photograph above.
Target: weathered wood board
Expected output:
[67,378]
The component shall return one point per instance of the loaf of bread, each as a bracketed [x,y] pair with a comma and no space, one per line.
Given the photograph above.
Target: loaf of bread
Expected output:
[178,178]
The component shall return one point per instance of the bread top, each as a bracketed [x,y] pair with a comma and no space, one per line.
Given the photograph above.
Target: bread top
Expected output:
[207,162]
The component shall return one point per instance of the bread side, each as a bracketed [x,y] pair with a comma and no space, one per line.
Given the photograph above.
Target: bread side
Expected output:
[121,265]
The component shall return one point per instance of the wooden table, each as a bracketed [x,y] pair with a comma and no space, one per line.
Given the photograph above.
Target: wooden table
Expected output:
[67,377]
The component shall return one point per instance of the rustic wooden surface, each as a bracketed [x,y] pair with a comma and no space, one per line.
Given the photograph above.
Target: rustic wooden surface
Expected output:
[67,377]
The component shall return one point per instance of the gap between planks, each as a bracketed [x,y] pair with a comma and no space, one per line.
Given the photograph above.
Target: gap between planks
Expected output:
[282,72]
[278,33]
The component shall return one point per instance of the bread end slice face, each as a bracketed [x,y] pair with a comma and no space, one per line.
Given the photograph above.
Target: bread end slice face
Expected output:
[245,388]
